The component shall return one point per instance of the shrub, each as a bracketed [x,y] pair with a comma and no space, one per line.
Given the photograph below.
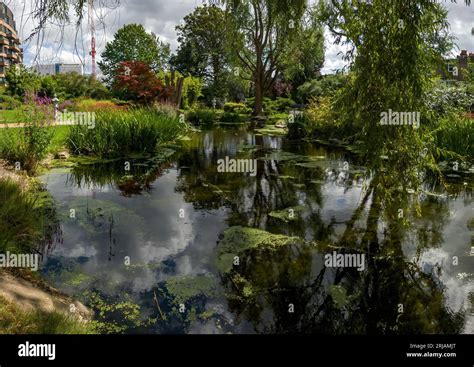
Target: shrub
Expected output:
[298,129]
[325,86]
[91,105]
[202,116]
[320,120]
[283,104]
[236,108]
[233,117]
[272,106]
[74,85]
[445,99]
[136,81]
[10,103]
[27,145]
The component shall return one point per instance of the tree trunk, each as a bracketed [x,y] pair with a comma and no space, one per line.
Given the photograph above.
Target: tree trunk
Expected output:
[259,87]
[258,108]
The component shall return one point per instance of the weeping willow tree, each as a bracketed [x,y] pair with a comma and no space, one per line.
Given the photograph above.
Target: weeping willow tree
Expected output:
[394,49]
[60,12]
[261,31]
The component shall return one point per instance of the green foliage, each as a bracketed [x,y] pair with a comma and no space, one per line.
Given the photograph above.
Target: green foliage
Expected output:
[202,116]
[304,55]
[325,86]
[74,85]
[203,49]
[234,117]
[321,121]
[9,103]
[236,108]
[455,133]
[273,106]
[395,49]
[26,218]
[119,133]
[445,98]
[133,43]
[259,31]
[469,78]
[48,86]
[192,90]
[21,80]
[28,145]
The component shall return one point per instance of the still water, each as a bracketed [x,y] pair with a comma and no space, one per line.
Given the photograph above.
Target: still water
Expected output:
[150,249]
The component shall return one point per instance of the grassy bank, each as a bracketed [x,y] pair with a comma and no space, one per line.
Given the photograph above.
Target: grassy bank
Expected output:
[27,219]
[14,320]
[120,133]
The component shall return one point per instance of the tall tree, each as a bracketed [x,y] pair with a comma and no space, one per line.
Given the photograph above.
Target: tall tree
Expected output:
[304,56]
[261,31]
[133,43]
[394,48]
[202,51]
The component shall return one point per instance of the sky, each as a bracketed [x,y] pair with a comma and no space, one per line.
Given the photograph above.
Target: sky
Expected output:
[161,17]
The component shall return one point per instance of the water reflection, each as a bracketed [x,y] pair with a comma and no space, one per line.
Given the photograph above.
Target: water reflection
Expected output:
[181,224]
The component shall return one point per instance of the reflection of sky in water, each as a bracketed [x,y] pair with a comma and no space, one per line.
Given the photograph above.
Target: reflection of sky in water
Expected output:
[148,229]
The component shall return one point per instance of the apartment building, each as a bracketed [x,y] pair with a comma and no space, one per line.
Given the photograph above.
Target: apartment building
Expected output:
[10,51]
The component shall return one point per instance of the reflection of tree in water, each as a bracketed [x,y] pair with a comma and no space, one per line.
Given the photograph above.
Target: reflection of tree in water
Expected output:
[140,178]
[251,198]
[391,296]
[269,278]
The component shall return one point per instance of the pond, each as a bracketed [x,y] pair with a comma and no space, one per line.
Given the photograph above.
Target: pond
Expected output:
[174,246]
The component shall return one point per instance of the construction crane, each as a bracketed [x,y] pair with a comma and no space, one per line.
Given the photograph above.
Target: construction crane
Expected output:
[92,33]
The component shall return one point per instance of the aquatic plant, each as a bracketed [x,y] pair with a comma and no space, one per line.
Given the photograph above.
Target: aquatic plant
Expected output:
[120,133]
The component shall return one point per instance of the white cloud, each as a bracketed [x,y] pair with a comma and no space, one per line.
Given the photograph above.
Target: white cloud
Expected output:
[161,17]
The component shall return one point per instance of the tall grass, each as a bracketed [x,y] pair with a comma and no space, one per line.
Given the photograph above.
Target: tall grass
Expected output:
[119,133]
[27,219]
[14,320]
[455,133]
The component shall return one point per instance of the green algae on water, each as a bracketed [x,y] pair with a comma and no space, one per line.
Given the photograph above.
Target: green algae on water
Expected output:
[238,239]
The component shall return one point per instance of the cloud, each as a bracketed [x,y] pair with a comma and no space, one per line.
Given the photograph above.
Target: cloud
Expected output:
[161,17]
